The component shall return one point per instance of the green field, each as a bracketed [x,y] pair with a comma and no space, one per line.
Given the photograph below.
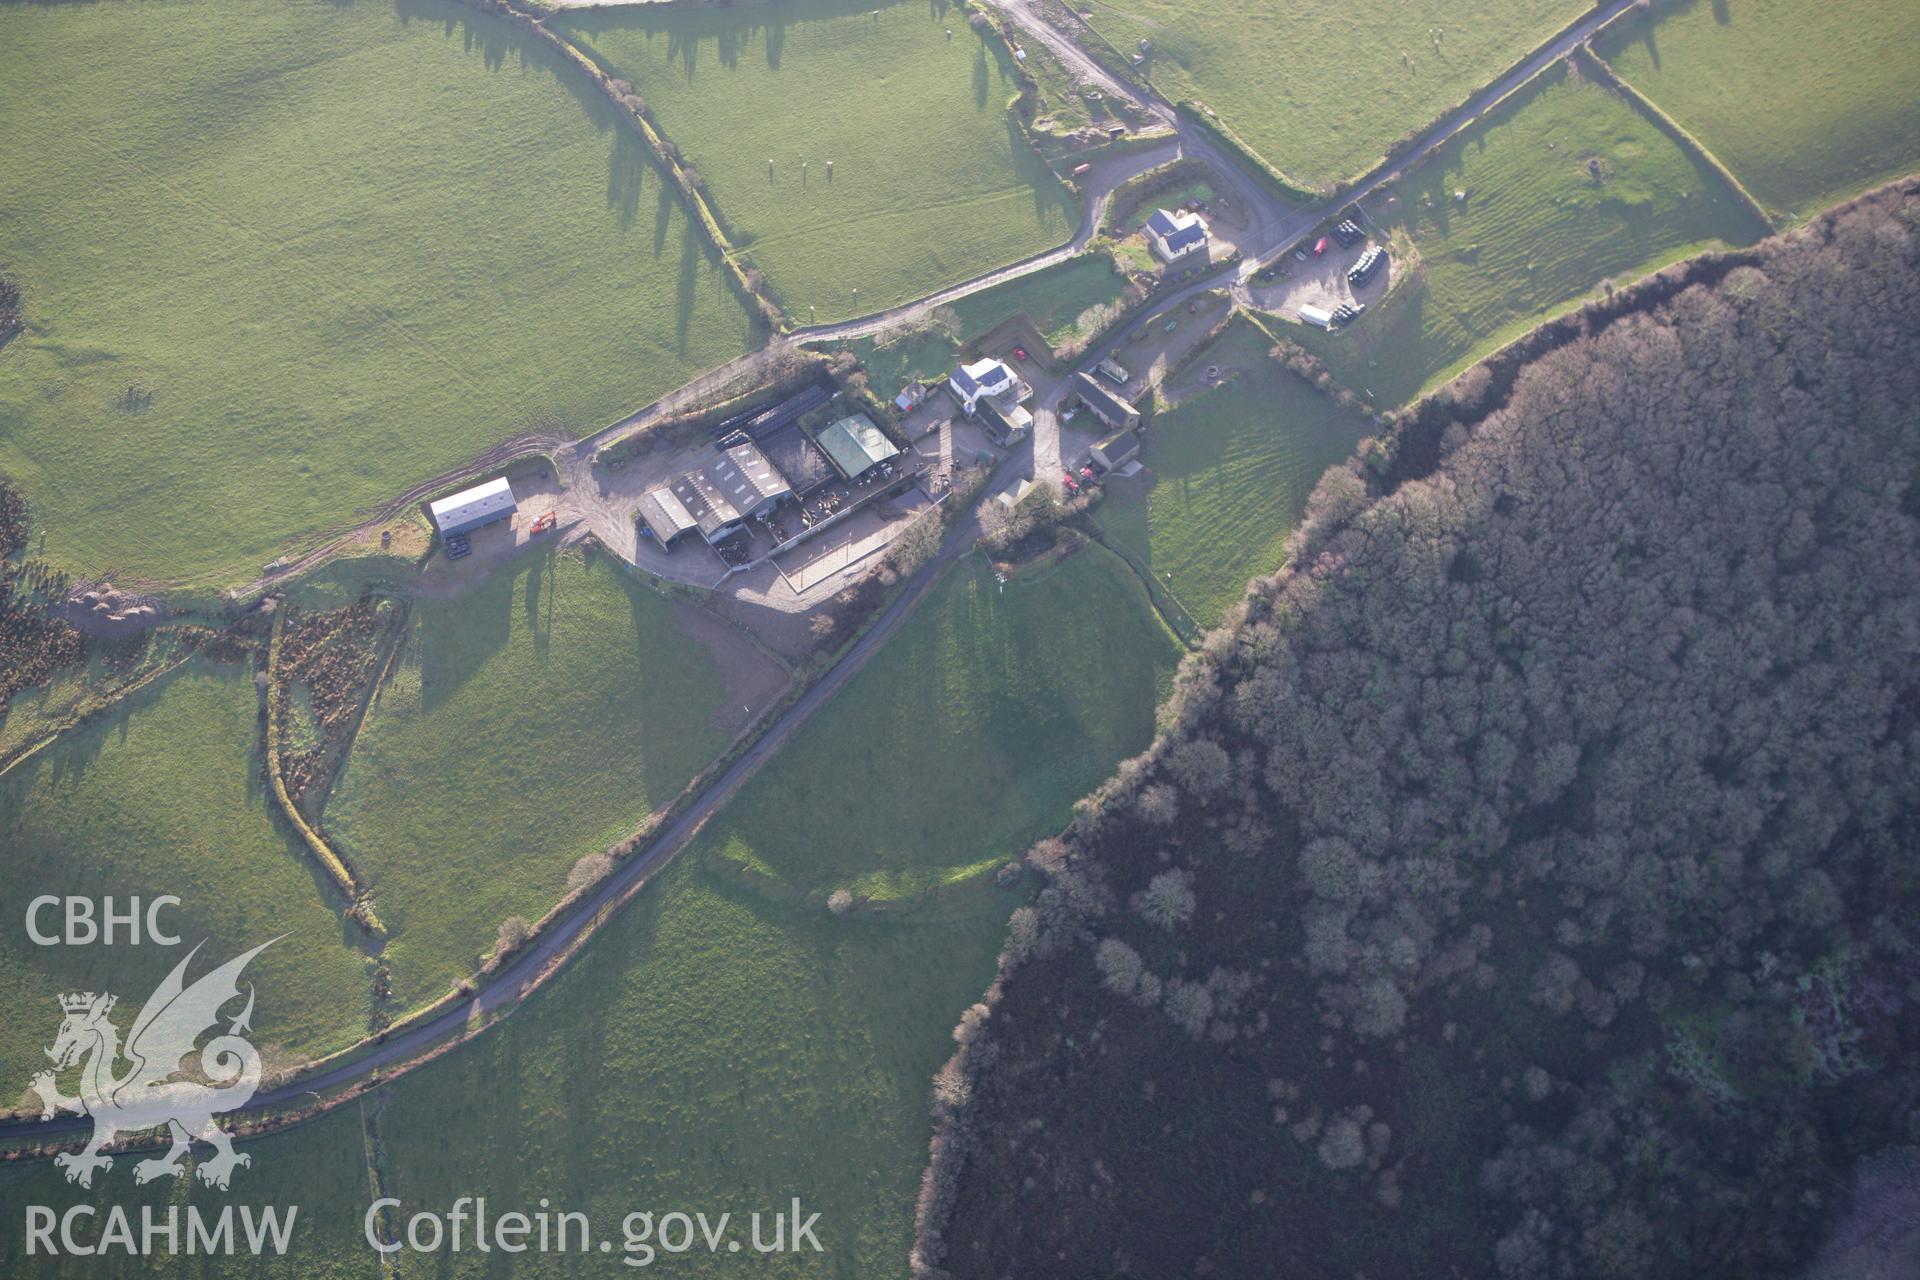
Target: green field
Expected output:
[1003,706]
[1321,90]
[1066,302]
[932,183]
[729,1043]
[1232,467]
[320,1167]
[711,1051]
[336,249]
[726,1044]
[1536,234]
[163,796]
[533,719]
[1806,103]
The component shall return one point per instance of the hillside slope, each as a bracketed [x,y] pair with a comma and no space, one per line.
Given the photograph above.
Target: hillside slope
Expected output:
[1527,885]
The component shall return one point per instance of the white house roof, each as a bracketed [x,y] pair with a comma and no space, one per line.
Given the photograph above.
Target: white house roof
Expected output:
[983,377]
[473,506]
[1178,228]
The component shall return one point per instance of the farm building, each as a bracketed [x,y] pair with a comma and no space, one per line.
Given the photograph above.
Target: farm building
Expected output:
[473,508]
[764,421]
[1008,426]
[799,459]
[723,495]
[1117,450]
[856,445]
[1119,414]
[666,517]
[1176,233]
[986,377]
[750,482]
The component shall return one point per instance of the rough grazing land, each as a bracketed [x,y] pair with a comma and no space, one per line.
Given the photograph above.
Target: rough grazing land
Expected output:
[334,250]
[532,720]
[1322,89]
[164,795]
[1231,470]
[1526,887]
[1806,103]
[931,181]
[1536,233]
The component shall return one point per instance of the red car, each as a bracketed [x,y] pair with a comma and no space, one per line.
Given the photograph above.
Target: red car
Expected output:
[1020,353]
[1320,248]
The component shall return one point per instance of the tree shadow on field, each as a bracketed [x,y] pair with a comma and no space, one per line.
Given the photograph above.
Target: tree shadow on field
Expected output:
[692,250]
[538,604]
[662,220]
[626,176]
[1049,196]
[776,40]
[456,642]
[982,79]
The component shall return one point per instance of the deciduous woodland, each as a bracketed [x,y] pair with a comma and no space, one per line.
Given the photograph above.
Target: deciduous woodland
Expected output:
[1525,881]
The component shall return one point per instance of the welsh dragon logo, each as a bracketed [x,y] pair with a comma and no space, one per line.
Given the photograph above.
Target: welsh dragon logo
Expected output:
[156,1090]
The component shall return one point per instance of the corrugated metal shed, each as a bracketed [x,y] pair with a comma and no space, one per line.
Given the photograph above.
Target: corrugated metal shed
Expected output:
[750,482]
[666,515]
[472,508]
[855,444]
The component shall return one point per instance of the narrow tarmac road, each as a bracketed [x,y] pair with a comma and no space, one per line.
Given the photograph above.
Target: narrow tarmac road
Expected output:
[1285,228]
[518,977]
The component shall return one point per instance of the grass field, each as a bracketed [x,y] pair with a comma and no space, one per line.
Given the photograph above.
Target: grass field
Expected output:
[1322,89]
[533,719]
[727,1047]
[1806,103]
[337,248]
[931,181]
[1232,467]
[1066,301]
[320,1167]
[969,736]
[163,796]
[1535,235]
[711,1051]
[724,1047]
